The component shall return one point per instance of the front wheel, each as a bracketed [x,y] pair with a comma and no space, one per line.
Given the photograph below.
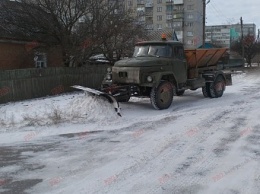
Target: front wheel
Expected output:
[161,96]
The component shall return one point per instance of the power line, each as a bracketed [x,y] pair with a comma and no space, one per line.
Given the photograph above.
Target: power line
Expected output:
[216,13]
[219,11]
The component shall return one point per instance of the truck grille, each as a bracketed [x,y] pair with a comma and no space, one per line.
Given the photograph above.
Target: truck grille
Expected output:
[122,74]
[126,75]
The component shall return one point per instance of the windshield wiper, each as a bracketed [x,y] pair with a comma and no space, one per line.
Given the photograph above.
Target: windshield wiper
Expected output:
[148,56]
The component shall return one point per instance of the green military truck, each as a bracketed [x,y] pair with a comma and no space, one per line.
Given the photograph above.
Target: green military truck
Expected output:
[162,69]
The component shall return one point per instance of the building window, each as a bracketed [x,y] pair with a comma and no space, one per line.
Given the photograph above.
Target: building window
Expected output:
[177,16]
[159,1]
[149,26]
[169,8]
[177,24]
[190,16]
[169,25]
[159,9]
[140,1]
[189,24]
[40,60]
[140,9]
[178,7]
[190,7]
[159,18]
[130,3]
[141,19]
[190,42]
[159,26]
[189,33]
[168,17]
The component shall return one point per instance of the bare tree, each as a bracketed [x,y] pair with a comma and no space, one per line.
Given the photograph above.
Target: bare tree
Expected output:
[120,36]
[251,48]
[80,27]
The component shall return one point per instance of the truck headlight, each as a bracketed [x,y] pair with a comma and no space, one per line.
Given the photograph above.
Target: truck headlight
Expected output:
[109,69]
[109,76]
[149,78]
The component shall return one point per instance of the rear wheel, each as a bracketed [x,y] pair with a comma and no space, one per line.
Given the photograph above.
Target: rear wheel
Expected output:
[205,90]
[161,96]
[217,87]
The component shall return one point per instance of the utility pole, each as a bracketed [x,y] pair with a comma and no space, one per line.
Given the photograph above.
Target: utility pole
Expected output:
[204,23]
[172,18]
[258,35]
[242,38]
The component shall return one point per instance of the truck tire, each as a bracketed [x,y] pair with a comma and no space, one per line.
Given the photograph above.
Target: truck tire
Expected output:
[180,92]
[217,87]
[205,90]
[161,96]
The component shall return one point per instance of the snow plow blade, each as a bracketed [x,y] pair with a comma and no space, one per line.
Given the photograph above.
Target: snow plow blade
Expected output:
[109,97]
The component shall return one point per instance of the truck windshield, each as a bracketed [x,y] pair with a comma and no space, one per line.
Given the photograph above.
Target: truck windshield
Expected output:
[153,50]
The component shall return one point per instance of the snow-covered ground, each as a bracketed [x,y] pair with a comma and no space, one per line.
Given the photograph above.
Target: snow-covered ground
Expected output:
[77,144]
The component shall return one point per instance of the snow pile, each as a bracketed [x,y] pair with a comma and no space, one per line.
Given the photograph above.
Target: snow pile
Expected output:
[56,110]
[92,108]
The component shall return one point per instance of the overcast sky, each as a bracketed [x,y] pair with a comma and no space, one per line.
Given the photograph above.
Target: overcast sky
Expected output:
[229,11]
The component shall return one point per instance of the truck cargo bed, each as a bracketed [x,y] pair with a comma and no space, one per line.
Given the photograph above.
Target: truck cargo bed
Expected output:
[199,58]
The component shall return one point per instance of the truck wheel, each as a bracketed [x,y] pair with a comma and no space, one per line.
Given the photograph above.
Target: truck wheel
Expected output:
[180,92]
[218,87]
[161,96]
[205,90]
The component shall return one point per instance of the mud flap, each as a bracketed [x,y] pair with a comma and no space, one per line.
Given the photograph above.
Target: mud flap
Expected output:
[228,79]
[109,97]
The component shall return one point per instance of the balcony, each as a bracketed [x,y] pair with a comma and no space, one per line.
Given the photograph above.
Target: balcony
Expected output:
[178,10]
[149,27]
[178,28]
[168,17]
[141,19]
[178,16]
[149,14]
[148,21]
[140,11]
[140,2]
[175,2]
[174,11]
[149,5]
[178,2]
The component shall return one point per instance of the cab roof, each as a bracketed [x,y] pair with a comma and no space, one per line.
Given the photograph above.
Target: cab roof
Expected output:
[173,42]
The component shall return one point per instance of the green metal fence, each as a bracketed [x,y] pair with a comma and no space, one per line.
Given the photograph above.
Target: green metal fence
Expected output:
[21,84]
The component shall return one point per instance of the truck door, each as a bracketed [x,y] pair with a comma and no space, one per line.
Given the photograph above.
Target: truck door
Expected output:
[180,64]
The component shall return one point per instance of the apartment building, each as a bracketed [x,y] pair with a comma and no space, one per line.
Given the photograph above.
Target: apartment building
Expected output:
[185,17]
[224,35]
